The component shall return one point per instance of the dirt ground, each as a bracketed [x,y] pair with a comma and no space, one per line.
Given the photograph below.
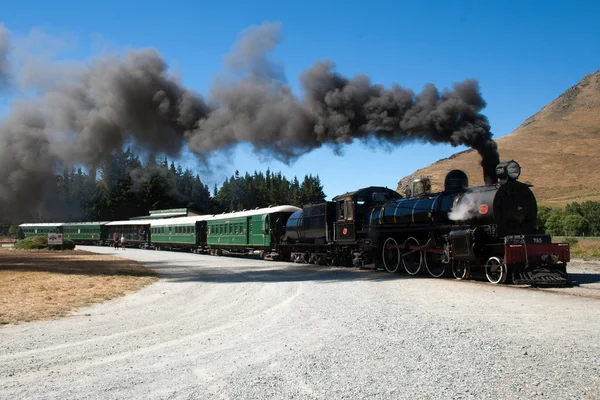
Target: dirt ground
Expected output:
[47,284]
[235,328]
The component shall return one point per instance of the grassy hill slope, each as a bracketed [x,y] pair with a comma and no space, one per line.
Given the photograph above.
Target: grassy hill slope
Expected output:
[558,149]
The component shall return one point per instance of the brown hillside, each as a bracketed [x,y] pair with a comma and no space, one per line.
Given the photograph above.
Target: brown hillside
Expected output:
[558,149]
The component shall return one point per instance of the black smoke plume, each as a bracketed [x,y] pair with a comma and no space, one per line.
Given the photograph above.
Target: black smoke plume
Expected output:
[92,110]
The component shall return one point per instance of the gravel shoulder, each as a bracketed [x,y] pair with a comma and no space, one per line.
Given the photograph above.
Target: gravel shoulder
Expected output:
[232,328]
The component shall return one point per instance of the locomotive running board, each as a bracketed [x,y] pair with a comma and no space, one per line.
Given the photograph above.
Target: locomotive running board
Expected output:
[542,277]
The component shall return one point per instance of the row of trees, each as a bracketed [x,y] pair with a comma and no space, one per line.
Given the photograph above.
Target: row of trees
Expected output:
[576,219]
[261,190]
[125,187]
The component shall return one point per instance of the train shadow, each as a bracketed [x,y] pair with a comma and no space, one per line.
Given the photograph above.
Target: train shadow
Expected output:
[257,271]
[584,279]
[271,274]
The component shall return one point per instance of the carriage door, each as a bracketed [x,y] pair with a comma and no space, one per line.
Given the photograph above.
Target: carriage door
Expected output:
[248,229]
[345,226]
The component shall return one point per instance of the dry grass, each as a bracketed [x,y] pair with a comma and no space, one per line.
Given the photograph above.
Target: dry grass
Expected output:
[48,284]
[557,149]
[586,249]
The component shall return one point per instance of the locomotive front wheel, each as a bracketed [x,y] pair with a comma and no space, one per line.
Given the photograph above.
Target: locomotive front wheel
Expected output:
[434,265]
[390,256]
[495,270]
[461,270]
[412,262]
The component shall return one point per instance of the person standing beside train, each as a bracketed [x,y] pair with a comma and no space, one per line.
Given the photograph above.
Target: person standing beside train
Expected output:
[123,241]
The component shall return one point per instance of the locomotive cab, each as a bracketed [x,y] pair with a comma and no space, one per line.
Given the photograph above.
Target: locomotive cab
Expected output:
[352,210]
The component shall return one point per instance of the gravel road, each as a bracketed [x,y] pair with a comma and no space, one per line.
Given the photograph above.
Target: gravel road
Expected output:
[232,328]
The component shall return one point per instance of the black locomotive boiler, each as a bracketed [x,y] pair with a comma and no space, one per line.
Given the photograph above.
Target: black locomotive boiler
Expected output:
[457,231]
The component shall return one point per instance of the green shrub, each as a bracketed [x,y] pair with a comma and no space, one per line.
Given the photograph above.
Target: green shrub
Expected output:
[68,244]
[41,243]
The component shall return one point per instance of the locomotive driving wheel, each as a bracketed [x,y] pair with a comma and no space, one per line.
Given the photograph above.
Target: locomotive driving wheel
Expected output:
[461,269]
[495,270]
[434,264]
[390,254]
[412,262]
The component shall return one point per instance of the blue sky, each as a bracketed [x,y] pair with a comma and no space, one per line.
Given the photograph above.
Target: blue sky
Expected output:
[524,54]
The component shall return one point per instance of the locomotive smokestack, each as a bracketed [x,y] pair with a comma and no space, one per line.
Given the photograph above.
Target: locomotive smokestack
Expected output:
[84,113]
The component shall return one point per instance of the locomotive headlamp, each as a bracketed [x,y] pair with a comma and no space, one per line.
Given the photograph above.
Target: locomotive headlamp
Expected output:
[508,170]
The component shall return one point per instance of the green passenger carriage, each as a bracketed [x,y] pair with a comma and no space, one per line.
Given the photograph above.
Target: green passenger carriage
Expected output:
[179,233]
[258,229]
[85,232]
[41,229]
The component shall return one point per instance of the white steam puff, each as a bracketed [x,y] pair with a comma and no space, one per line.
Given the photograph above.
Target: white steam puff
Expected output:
[467,208]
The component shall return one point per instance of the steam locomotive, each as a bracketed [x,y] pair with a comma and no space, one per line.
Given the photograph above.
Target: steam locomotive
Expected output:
[459,231]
